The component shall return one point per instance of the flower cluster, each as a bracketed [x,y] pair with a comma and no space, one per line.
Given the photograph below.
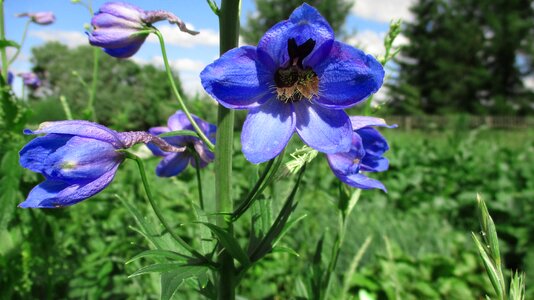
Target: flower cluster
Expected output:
[299,78]
[121,28]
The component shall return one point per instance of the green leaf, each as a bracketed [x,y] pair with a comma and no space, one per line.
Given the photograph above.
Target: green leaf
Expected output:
[9,185]
[171,281]
[161,254]
[491,270]
[281,249]
[8,43]
[267,243]
[230,244]
[165,267]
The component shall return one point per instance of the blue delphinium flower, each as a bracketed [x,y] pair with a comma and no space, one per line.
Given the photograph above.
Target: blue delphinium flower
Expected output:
[121,28]
[30,80]
[41,18]
[297,78]
[174,163]
[9,78]
[365,155]
[78,160]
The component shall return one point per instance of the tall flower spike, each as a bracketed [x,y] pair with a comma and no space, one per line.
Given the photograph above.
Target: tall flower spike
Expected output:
[173,164]
[298,78]
[41,18]
[77,158]
[365,155]
[121,28]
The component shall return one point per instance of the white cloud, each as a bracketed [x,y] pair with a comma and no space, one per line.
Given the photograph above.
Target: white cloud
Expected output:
[173,36]
[69,38]
[372,42]
[383,10]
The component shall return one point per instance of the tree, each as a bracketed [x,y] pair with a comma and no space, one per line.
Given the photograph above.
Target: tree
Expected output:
[462,57]
[129,96]
[270,12]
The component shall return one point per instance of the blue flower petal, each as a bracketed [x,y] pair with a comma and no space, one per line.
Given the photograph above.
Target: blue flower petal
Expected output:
[325,130]
[172,164]
[345,163]
[347,76]
[124,52]
[371,163]
[79,128]
[237,80]
[364,121]
[124,40]
[303,24]
[103,20]
[363,182]
[123,10]
[157,131]
[374,142]
[267,131]
[56,193]
[81,160]
[34,154]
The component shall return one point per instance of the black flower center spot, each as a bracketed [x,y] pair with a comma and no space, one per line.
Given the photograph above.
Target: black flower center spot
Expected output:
[296,82]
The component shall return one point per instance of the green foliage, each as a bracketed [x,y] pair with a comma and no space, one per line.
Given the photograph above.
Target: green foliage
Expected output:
[420,248]
[270,12]
[129,96]
[463,57]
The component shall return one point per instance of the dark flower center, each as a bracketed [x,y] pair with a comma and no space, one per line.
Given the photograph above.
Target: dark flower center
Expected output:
[296,82]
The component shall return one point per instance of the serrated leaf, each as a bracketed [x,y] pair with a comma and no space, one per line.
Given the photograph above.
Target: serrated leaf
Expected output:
[171,281]
[9,43]
[230,244]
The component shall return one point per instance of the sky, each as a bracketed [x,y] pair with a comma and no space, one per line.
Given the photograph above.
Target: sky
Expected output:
[369,19]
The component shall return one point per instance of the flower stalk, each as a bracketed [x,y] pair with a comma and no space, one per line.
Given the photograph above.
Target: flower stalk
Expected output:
[174,89]
[3,52]
[21,42]
[229,36]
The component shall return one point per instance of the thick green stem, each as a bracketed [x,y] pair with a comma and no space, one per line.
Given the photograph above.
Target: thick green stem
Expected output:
[21,42]
[158,212]
[3,52]
[229,36]
[176,93]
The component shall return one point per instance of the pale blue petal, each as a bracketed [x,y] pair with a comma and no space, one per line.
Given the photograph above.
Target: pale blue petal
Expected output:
[325,130]
[267,131]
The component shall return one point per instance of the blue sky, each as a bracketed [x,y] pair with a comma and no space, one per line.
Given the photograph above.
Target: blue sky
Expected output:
[188,55]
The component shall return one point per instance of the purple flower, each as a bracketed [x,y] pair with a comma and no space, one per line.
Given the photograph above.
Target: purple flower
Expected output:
[77,158]
[41,18]
[121,28]
[365,155]
[299,79]
[31,80]
[174,163]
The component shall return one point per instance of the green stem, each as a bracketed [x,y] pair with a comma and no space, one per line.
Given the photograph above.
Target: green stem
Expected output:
[336,249]
[199,179]
[66,107]
[3,52]
[158,212]
[92,92]
[203,137]
[229,36]
[21,42]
